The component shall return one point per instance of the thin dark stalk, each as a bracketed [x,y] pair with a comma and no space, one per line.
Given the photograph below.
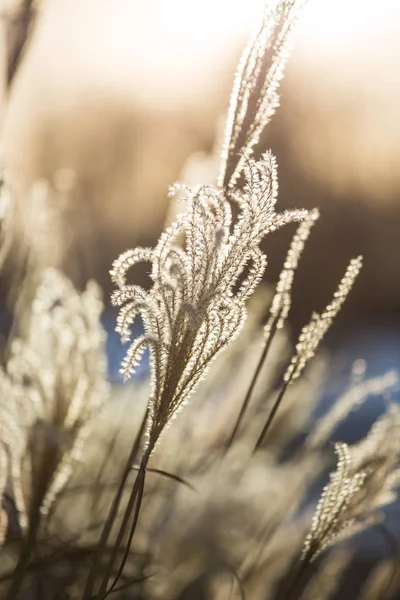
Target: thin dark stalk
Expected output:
[112,515]
[254,380]
[137,507]
[239,583]
[393,547]
[72,554]
[134,505]
[246,573]
[23,560]
[296,575]
[19,29]
[44,560]
[271,416]
[102,469]
[131,582]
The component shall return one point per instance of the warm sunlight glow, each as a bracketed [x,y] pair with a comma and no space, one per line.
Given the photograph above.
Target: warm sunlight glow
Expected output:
[180,48]
[335,29]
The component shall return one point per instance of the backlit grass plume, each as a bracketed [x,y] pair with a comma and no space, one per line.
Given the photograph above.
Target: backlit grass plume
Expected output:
[54,382]
[313,333]
[333,514]
[197,304]
[255,96]
[206,266]
[365,480]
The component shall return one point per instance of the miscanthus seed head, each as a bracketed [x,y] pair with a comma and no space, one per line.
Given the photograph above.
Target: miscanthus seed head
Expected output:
[54,382]
[204,268]
[313,333]
[331,516]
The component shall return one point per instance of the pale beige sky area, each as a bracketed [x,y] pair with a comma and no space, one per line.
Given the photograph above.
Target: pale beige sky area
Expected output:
[159,56]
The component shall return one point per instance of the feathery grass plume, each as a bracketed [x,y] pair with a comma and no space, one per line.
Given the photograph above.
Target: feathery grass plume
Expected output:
[366,476]
[313,333]
[282,299]
[310,337]
[204,268]
[255,93]
[280,308]
[350,400]
[332,516]
[43,243]
[196,306]
[54,382]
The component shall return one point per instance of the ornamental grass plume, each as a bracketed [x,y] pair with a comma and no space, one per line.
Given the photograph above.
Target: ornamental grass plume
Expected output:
[365,480]
[313,333]
[207,264]
[197,304]
[255,97]
[55,380]
[310,338]
[280,306]
[333,512]
[54,383]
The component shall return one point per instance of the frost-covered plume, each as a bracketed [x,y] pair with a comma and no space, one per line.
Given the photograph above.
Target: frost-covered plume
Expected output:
[332,515]
[53,384]
[313,333]
[365,480]
[282,299]
[200,284]
[255,93]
